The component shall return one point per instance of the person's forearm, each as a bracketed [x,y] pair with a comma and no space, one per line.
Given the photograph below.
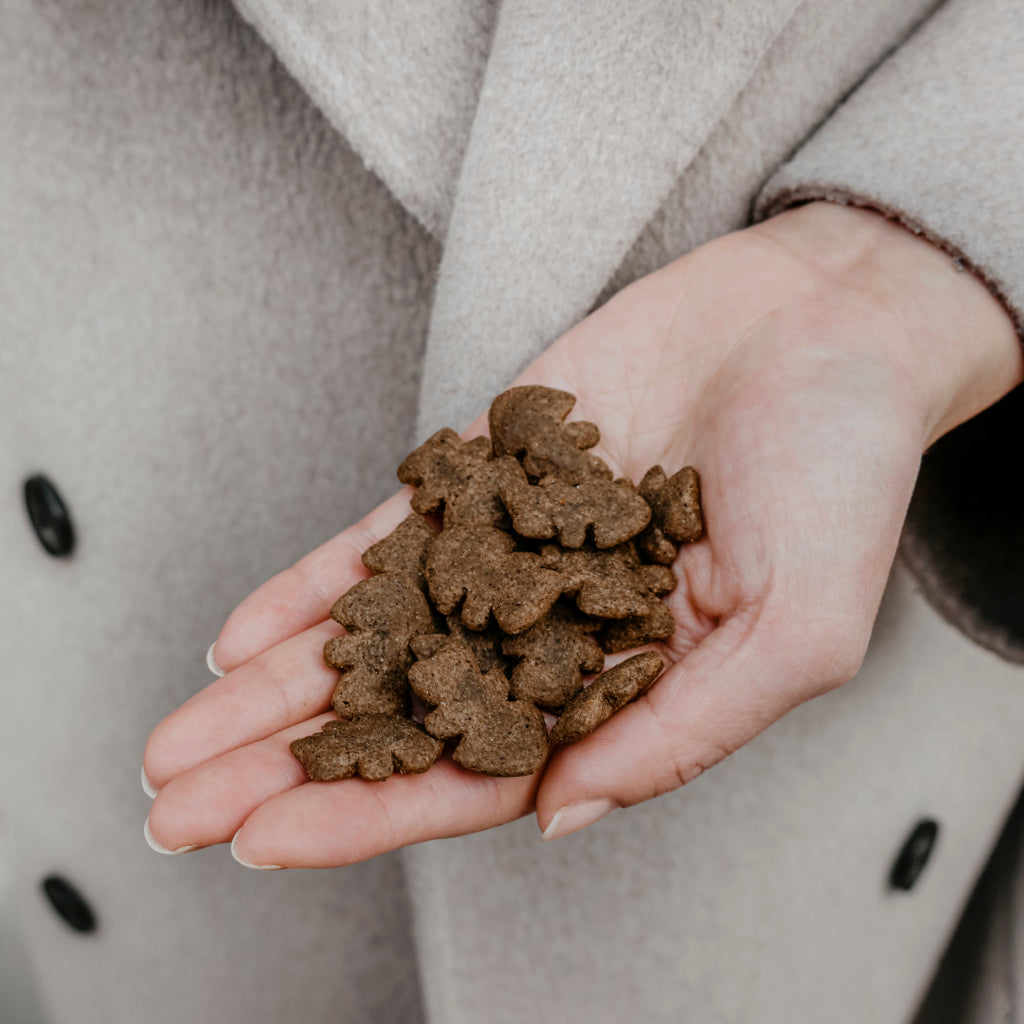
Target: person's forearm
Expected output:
[961,352]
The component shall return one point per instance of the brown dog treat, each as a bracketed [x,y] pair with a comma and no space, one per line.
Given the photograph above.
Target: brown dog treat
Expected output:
[530,420]
[606,694]
[462,477]
[608,584]
[441,467]
[427,645]
[611,507]
[485,644]
[675,512]
[556,651]
[625,634]
[382,615]
[481,564]
[372,745]
[403,550]
[498,736]
[479,502]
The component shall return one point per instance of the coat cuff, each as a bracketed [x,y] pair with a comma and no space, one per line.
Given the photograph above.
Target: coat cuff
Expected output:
[934,138]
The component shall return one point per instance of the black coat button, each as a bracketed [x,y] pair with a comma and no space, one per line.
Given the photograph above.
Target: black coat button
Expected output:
[914,855]
[49,516]
[69,903]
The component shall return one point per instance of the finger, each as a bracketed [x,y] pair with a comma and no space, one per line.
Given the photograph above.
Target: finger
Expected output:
[330,824]
[301,596]
[743,676]
[280,687]
[209,803]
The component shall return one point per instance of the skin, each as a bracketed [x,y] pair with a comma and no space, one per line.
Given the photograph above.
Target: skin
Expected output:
[803,366]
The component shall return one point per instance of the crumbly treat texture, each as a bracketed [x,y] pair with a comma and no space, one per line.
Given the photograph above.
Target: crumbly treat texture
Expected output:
[611,510]
[441,467]
[675,513]
[497,736]
[657,623]
[610,691]
[462,478]
[529,421]
[610,584]
[480,568]
[404,550]
[373,746]
[555,653]
[382,615]
[486,644]
[543,562]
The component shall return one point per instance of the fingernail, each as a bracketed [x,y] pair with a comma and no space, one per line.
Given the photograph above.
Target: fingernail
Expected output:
[244,862]
[211,661]
[147,786]
[163,849]
[573,817]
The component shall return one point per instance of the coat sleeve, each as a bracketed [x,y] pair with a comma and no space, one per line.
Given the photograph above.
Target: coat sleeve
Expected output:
[934,137]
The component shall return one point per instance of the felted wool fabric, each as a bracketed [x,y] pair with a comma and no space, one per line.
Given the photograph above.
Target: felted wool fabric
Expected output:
[209,306]
[226,316]
[400,82]
[957,90]
[979,980]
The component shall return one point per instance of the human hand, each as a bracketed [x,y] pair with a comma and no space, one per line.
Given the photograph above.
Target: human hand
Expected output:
[802,366]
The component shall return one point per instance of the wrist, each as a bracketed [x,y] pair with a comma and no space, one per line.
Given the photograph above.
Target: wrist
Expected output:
[952,339]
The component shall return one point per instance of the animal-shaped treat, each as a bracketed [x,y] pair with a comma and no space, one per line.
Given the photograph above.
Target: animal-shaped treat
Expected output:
[555,653]
[609,584]
[611,510]
[606,694]
[462,477]
[404,550]
[675,513]
[382,615]
[530,421]
[372,745]
[657,623]
[497,736]
[479,567]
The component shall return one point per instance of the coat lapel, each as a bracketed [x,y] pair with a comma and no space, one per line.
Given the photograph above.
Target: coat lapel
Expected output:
[397,78]
[537,147]
[587,116]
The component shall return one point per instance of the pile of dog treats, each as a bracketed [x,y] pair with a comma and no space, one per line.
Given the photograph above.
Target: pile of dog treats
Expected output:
[542,565]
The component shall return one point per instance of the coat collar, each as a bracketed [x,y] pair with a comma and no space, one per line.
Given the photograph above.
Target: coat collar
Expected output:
[537,147]
[398,79]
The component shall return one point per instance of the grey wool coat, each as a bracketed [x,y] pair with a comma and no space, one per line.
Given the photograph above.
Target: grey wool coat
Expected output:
[249,255]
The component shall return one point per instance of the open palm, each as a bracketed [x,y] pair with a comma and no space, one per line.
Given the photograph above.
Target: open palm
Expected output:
[792,393]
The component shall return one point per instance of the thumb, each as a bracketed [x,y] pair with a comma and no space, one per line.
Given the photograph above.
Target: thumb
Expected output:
[747,673]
